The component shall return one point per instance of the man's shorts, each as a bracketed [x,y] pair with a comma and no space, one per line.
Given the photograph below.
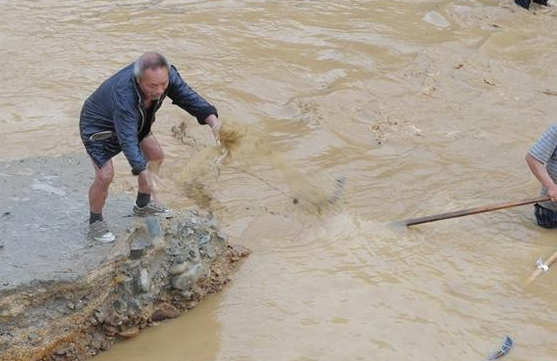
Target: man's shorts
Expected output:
[546,217]
[101,150]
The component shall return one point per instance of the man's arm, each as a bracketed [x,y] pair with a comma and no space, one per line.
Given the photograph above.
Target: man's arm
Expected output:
[538,157]
[215,124]
[187,99]
[125,123]
[540,172]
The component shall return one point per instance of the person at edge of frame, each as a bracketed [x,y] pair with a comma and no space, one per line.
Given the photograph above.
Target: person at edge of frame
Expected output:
[542,161]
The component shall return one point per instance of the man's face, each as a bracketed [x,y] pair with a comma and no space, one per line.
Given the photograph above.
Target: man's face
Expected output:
[154,82]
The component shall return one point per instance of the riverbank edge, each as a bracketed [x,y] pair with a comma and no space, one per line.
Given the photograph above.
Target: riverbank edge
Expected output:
[162,269]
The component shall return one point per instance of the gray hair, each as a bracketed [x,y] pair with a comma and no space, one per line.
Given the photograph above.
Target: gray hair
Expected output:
[150,60]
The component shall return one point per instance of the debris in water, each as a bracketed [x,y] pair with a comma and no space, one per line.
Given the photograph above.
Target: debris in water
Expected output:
[489,82]
[507,346]
[339,188]
[548,92]
[181,133]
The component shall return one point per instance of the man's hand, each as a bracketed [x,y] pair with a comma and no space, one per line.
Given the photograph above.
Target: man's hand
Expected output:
[552,193]
[215,125]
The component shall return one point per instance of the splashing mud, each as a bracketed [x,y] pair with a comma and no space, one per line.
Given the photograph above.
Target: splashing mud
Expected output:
[246,152]
[231,136]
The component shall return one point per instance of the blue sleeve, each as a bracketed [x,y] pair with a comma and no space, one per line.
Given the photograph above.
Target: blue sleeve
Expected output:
[187,99]
[125,122]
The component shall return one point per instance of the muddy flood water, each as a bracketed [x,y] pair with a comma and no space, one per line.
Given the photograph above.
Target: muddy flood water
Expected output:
[418,106]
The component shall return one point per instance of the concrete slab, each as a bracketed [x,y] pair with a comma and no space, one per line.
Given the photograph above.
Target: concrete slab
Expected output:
[43,220]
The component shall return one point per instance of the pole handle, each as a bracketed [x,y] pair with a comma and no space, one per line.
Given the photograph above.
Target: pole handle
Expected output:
[470,211]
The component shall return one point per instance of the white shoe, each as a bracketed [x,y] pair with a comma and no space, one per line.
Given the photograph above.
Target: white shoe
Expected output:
[99,231]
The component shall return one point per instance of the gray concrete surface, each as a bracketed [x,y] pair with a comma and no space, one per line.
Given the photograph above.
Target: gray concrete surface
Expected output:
[43,221]
[66,297]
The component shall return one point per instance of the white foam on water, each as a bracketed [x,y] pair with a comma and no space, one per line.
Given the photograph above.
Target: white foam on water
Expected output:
[434,18]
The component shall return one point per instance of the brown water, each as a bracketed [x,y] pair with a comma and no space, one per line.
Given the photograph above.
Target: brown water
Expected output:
[424,107]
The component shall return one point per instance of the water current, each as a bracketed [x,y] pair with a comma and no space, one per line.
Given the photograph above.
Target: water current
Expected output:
[421,106]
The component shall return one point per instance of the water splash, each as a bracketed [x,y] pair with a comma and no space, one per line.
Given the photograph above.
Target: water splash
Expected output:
[248,153]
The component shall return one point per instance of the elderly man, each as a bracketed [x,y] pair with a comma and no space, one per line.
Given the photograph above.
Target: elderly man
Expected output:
[118,117]
[542,160]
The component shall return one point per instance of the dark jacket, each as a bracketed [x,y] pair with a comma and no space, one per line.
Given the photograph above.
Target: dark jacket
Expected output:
[116,109]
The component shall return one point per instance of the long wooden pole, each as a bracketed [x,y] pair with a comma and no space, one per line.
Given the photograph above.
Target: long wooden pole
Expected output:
[466,212]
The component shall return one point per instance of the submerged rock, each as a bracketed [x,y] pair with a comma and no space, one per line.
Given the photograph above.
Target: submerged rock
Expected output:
[129,332]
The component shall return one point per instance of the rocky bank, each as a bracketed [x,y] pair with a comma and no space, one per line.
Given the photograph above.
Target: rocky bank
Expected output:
[66,297]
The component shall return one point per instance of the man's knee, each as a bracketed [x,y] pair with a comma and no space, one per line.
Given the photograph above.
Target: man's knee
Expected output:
[157,156]
[152,149]
[104,176]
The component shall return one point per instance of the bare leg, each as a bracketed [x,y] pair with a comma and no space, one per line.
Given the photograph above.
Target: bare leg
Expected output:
[98,193]
[155,156]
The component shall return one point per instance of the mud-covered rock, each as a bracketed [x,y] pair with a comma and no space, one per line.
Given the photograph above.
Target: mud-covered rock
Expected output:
[165,311]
